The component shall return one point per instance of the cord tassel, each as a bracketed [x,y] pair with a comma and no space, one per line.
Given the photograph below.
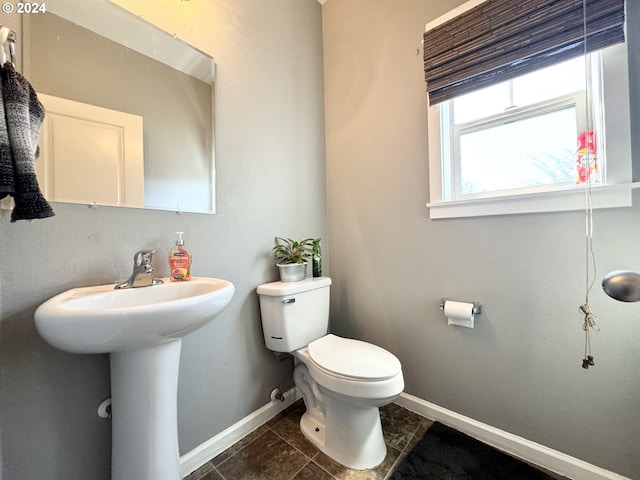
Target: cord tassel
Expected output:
[588,325]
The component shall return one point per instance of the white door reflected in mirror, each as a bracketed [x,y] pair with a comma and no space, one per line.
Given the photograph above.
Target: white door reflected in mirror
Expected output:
[105,168]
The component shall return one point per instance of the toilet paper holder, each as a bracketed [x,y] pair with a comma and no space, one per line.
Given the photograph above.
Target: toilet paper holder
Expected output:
[477,306]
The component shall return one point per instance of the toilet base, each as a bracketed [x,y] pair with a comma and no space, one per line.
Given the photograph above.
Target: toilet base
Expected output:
[349,434]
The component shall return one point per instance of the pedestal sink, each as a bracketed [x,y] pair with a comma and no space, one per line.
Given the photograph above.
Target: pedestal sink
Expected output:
[142,330]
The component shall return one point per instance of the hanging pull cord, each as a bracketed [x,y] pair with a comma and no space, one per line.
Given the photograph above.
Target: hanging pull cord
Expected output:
[588,325]
[590,257]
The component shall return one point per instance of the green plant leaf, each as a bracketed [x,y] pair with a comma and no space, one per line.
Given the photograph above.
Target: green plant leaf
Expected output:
[287,250]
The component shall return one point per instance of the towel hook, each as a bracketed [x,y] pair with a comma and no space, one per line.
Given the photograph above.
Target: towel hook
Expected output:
[8,43]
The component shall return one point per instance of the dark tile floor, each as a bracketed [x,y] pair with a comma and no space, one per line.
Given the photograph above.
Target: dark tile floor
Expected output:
[279,451]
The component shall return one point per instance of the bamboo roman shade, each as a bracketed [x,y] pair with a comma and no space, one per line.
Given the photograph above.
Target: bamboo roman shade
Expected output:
[501,39]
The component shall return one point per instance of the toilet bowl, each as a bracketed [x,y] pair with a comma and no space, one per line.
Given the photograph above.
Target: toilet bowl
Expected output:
[343,381]
[351,390]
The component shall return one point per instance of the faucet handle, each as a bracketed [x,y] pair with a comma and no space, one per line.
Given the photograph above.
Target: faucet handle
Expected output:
[143,257]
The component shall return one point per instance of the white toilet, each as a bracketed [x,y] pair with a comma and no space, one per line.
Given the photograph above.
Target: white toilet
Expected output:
[342,381]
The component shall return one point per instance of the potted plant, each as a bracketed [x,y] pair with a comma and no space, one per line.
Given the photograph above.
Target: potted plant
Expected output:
[291,258]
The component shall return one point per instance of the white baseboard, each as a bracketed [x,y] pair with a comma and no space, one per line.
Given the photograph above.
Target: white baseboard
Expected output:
[208,450]
[519,447]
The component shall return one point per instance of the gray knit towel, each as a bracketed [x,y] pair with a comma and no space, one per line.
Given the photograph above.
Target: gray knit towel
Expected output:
[23,117]
[7,181]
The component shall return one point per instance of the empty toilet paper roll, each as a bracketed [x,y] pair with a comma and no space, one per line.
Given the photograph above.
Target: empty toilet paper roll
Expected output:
[459,313]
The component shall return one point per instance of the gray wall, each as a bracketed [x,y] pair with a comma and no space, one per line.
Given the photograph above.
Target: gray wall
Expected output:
[520,368]
[271,181]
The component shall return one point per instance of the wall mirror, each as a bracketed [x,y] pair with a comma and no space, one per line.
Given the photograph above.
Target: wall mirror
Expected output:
[130,109]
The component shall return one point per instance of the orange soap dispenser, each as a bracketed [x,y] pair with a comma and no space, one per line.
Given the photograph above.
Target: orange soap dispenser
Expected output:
[180,261]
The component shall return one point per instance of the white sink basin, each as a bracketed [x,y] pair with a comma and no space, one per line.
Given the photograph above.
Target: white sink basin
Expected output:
[103,320]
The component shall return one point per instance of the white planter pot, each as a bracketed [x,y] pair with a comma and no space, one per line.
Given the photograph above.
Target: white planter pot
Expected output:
[292,272]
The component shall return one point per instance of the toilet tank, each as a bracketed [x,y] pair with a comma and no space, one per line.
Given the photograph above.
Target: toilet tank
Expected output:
[294,313]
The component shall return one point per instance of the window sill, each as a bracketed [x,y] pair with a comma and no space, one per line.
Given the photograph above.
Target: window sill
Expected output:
[603,196]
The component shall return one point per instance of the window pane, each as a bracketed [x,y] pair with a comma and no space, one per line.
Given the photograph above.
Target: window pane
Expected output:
[533,151]
[481,104]
[550,82]
[539,86]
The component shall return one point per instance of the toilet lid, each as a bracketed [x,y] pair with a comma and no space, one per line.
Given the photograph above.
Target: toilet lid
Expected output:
[353,358]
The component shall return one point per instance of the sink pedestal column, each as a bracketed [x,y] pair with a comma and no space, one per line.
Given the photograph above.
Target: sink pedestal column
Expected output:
[144,385]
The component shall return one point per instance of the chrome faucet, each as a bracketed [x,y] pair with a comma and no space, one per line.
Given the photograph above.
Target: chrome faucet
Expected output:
[142,275]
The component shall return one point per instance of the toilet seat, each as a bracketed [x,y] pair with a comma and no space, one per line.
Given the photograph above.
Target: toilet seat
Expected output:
[340,366]
[354,359]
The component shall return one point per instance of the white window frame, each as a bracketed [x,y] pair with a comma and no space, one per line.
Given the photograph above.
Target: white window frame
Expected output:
[616,192]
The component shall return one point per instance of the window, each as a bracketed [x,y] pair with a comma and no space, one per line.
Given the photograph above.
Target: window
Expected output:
[511,147]
[517,134]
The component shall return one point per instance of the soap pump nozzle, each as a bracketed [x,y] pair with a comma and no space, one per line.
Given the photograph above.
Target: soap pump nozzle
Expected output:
[179,240]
